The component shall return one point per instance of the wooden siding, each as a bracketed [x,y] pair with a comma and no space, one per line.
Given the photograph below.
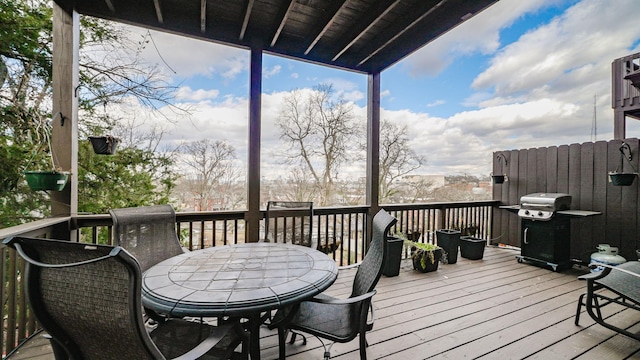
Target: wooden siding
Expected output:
[580,170]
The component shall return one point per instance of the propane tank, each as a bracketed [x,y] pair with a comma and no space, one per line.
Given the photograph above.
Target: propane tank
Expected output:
[607,255]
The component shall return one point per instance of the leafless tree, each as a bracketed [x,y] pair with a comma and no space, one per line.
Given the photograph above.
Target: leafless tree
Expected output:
[213,175]
[321,133]
[397,158]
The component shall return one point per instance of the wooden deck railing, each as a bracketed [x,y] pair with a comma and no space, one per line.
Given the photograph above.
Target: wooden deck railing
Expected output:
[340,228]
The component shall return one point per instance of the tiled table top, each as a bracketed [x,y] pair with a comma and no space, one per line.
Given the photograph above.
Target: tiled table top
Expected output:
[236,280]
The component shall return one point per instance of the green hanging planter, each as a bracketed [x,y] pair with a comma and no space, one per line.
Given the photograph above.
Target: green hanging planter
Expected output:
[622,179]
[47,180]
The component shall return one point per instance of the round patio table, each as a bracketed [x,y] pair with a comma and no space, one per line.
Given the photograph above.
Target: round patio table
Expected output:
[240,280]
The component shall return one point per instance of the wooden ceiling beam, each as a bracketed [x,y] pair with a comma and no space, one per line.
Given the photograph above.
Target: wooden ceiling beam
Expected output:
[328,19]
[110,5]
[397,34]
[245,21]
[376,14]
[156,4]
[203,16]
[283,16]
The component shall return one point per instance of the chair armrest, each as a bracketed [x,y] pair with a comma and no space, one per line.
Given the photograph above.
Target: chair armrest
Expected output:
[351,300]
[347,267]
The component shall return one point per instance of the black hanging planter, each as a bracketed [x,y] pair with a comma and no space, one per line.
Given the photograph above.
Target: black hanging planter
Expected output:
[622,179]
[619,177]
[104,145]
[499,179]
[502,177]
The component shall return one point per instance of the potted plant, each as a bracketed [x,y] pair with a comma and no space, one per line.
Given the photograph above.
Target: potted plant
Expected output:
[425,256]
[104,145]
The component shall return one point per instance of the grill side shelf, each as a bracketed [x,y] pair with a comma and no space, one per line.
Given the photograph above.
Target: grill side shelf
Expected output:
[578,213]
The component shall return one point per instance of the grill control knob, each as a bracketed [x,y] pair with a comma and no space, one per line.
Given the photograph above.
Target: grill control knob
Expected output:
[526,212]
[539,213]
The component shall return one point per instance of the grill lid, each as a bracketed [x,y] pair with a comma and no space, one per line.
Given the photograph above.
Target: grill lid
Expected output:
[542,206]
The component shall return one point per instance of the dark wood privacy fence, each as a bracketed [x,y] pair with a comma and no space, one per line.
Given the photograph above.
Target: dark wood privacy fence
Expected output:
[580,170]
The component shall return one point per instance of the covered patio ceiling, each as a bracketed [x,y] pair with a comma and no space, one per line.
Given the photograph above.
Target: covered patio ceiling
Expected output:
[365,36]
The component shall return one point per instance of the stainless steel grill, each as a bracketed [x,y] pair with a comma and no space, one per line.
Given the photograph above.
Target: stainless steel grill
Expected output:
[543,206]
[545,234]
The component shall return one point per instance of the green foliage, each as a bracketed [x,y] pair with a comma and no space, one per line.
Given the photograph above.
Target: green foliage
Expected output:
[423,251]
[133,177]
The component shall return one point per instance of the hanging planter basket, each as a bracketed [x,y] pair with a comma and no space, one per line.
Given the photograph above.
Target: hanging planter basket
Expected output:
[47,180]
[622,179]
[499,179]
[104,145]
[619,177]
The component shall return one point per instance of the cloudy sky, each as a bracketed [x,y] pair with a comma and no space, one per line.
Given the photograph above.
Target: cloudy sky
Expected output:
[521,74]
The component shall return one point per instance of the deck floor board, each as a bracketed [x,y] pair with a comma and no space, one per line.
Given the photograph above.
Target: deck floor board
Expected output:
[494,308]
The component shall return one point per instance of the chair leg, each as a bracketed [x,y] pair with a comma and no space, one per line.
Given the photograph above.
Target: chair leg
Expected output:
[363,346]
[282,343]
[580,299]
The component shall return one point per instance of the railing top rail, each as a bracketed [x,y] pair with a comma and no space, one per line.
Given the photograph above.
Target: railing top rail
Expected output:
[440,205]
[34,228]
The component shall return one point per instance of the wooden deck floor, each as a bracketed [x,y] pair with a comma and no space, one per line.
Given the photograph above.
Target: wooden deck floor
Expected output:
[494,308]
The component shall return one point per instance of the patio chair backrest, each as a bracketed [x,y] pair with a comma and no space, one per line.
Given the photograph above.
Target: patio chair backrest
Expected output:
[87,297]
[370,269]
[290,222]
[147,232]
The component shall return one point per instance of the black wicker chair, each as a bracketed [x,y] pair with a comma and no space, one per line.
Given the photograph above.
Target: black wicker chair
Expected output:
[290,222]
[341,320]
[623,280]
[147,232]
[88,298]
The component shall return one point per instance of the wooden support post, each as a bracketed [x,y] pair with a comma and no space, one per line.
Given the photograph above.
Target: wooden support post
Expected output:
[373,148]
[252,218]
[64,140]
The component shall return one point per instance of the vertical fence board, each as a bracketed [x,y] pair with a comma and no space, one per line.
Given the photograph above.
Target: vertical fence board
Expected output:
[628,204]
[541,169]
[563,169]
[580,239]
[600,187]
[552,169]
[580,170]
[614,199]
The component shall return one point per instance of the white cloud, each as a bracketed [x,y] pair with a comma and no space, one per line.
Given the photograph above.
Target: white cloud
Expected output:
[481,34]
[267,73]
[437,103]
[575,47]
[185,93]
